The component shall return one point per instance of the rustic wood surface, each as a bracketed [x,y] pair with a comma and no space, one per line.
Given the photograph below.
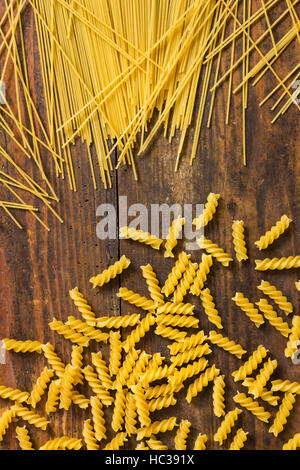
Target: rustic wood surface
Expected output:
[37,269]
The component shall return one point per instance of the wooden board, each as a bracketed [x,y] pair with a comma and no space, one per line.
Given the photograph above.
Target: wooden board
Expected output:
[37,269]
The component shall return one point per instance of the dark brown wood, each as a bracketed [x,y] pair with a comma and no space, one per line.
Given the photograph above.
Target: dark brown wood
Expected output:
[39,268]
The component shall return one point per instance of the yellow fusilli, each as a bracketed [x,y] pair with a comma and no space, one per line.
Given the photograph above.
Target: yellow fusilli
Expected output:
[172,238]
[40,387]
[226,344]
[239,440]
[251,365]
[238,234]
[262,378]
[141,237]
[111,273]
[294,338]
[182,435]
[24,438]
[252,406]
[277,296]
[83,307]
[202,382]
[153,284]
[226,426]
[282,414]
[218,396]
[215,251]
[278,263]
[201,275]
[272,317]
[209,308]
[249,309]
[274,233]
[176,274]
[209,211]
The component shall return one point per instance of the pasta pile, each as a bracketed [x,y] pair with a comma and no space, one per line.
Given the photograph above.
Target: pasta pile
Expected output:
[111,67]
[136,384]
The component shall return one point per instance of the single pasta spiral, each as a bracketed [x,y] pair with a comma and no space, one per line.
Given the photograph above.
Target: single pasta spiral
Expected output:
[191,355]
[77,362]
[182,435]
[251,365]
[209,308]
[40,387]
[218,396]
[117,442]
[111,273]
[252,406]
[136,335]
[54,360]
[119,410]
[294,338]
[170,333]
[200,443]
[249,309]
[180,321]
[53,397]
[158,404]
[226,344]
[97,387]
[22,346]
[155,444]
[185,283]
[80,400]
[141,237]
[83,307]
[5,420]
[153,284]
[176,274]
[274,233]
[278,263]
[201,275]
[89,436]
[262,378]
[102,370]
[171,308]
[8,393]
[88,332]
[239,440]
[68,333]
[276,295]
[130,415]
[226,426]
[162,390]
[157,427]
[115,352]
[158,373]
[238,234]
[273,318]
[123,321]
[293,443]
[66,387]
[282,414]
[202,382]
[172,239]
[215,251]
[24,438]
[286,386]
[98,419]
[141,405]
[63,443]
[209,211]
[185,373]
[136,299]
[188,343]
[32,418]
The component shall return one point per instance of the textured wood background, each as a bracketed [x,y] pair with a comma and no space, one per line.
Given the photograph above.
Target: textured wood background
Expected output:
[37,269]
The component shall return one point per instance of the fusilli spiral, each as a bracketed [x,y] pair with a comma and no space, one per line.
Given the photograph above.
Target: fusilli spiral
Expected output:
[218,396]
[201,275]
[176,274]
[24,438]
[209,308]
[262,378]
[249,309]
[40,387]
[202,382]
[251,365]
[274,320]
[238,235]
[239,440]
[226,344]
[226,426]
[215,251]
[83,307]
[274,264]
[89,436]
[252,406]
[171,242]
[136,299]
[182,435]
[98,419]
[111,273]
[141,237]
[282,414]
[276,295]
[209,211]
[274,233]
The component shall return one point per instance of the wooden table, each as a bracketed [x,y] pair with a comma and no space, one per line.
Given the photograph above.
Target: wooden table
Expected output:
[37,269]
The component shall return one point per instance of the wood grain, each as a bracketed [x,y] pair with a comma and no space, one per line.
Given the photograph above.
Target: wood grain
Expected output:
[37,269]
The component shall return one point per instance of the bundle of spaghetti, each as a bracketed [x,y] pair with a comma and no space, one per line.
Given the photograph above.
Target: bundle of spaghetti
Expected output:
[209,211]
[262,378]
[200,442]
[209,308]
[98,419]
[293,443]
[266,395]
[195,388]
[273,318]
[215,251]
[68,333]
[153,284]
[189,342]
[251,364]
[274,233]
[238,234]
[117,442]
[218,396]
[63,443]
[278,263]
[294,338]
[286,386]
[158,404]
[172,238]
[22,346]
[185,283]
[102,370]
[24,438]
[136,299]
[8,393]
[191,355]
[111,273]
[226,344]
[249,309]
[97,387]
[115,352]
[282,414]
[252,406]
[40,387]
[171,333]
[226,426]
[141,237]
[182,435]
[180,321]
[277,296]
[155,444]
[5,420]
[30,416]
[176,274]
[87,331]
[171,308]
[157,427]
[82,304]
[89,436]
[239,440]
[123,321]
[53,397]
[201,275]
[185,373]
